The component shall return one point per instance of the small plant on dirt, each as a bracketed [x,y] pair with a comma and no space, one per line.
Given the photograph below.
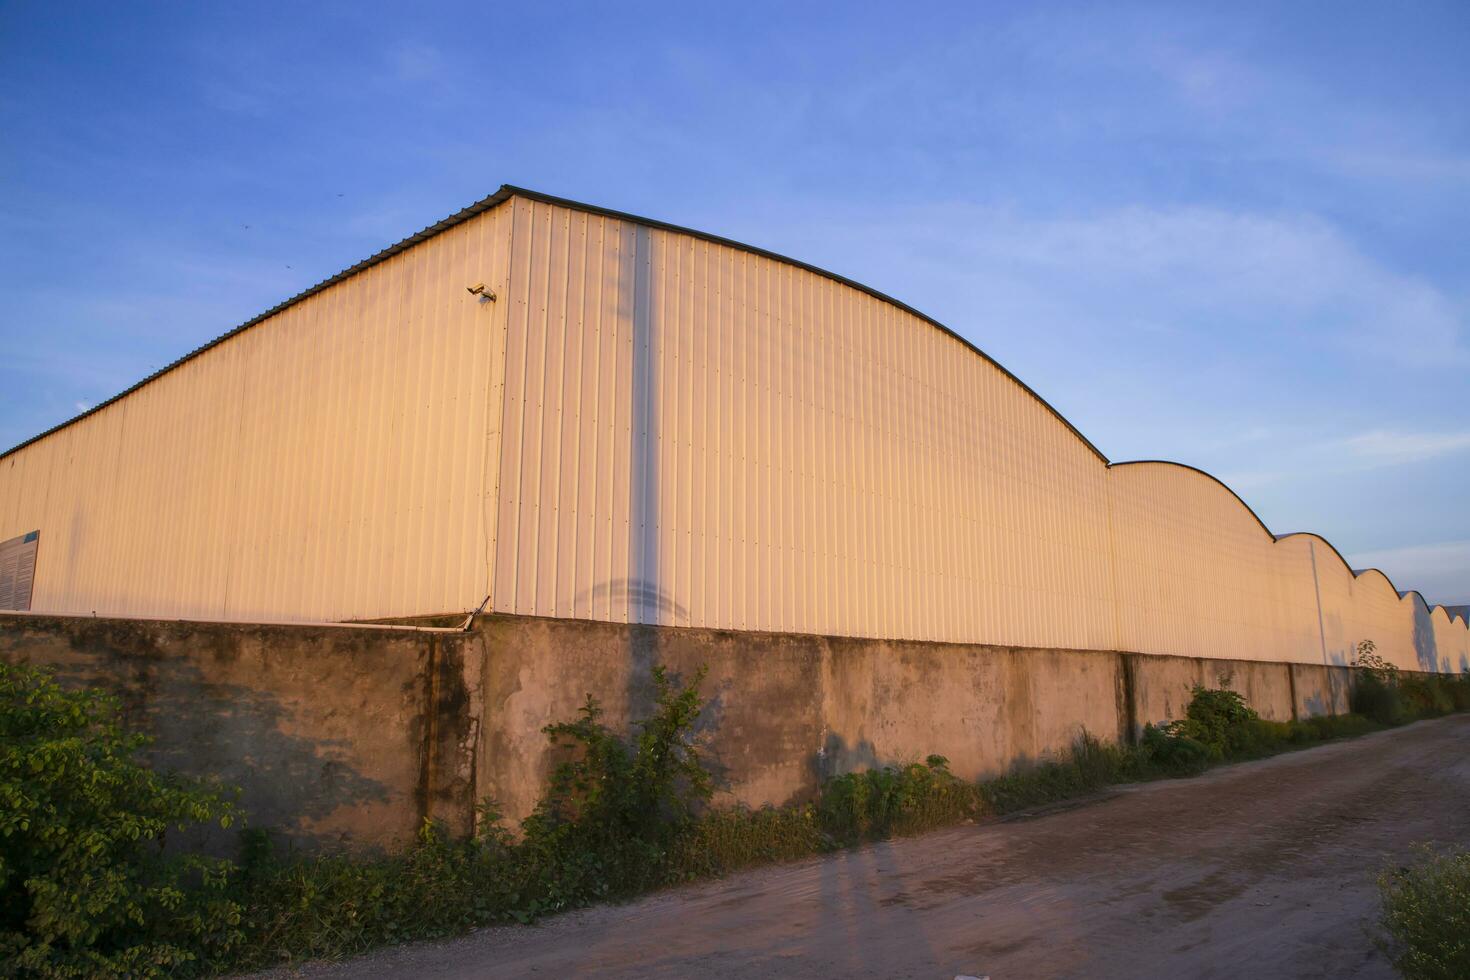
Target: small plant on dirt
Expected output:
[1426,914]
[86,887]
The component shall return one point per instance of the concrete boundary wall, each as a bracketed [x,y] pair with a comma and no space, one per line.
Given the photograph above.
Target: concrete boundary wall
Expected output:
[353,736]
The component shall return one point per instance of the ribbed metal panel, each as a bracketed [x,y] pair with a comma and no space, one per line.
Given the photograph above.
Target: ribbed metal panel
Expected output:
[696,435]
[1355,608]
[333,462]
[1452,642]
[656,426]
[1197,573]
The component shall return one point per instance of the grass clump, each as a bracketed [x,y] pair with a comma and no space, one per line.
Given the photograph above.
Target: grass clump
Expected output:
[730,839]
[1426,914]
[874,804]
[1090,766]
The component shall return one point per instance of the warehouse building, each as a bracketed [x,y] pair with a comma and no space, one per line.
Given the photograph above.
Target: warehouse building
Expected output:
[543,408]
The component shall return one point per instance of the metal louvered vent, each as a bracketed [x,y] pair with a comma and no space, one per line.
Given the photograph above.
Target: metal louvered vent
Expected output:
[18,571]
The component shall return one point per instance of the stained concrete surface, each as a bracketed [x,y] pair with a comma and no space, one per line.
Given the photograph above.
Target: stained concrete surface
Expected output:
[1258,870]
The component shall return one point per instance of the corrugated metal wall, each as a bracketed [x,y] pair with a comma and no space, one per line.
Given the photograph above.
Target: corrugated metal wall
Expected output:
[1197,572]
[696,435]
[653,427]
[699,436]
[329,463]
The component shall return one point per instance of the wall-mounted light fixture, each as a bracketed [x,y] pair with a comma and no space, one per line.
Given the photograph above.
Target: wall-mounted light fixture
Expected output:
[481,290]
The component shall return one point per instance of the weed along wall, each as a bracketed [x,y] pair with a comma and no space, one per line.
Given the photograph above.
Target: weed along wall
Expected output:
[352,736]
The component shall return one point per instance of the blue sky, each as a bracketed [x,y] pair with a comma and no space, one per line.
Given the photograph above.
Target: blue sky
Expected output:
[1232,235]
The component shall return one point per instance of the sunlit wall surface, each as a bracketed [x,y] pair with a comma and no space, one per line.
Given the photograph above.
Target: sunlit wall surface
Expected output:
[327,463]
[650,425]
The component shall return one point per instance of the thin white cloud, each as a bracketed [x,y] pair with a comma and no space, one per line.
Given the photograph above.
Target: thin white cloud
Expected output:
[1370,450]
[1194,272]
[1382,447]
[1268,271]
[1440,572]
[415,61]
[1263,110]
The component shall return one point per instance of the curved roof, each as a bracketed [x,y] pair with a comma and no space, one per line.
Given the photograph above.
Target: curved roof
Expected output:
[1355,572]
[507,191]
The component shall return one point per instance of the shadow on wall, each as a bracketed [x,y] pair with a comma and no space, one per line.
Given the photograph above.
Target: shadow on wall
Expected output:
[639,595]
[644,654]
[1425,650]
[836,758]
[1332,697]
[1332,624]
[238,734]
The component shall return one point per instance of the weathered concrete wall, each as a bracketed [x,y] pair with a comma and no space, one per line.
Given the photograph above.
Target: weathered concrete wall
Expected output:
[789,710]
[356,734]
[1162,686]
[328,730]
[1320,689]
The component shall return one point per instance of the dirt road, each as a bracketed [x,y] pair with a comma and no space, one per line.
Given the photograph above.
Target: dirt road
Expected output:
[1258,870]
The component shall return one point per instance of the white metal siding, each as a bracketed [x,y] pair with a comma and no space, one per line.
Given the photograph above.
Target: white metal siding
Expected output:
[332,462]
[696,435]
[1196,572]
[653,427]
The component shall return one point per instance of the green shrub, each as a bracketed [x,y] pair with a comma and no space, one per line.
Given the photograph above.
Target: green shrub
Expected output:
[1221,721]
[1460,691]
[86,886]
[301,907]
[892,800]
[1169,748]
[1217,725]
[613,823]
[1377,699]
[1393,699]
[1426,913]
[614,809]
[1258,737]
[1323,727]
[1426,697]
[1376,693]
